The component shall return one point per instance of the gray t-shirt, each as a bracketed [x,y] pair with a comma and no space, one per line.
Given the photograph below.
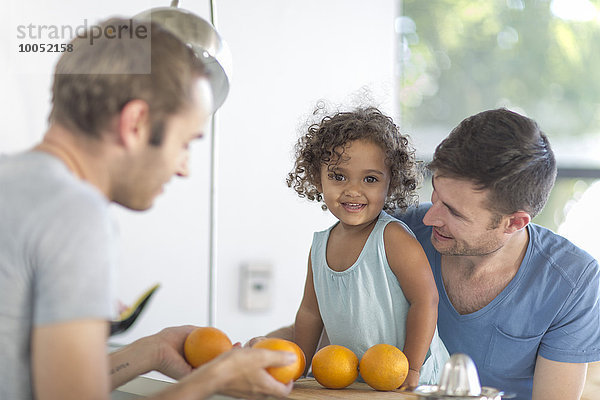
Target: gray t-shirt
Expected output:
[57,258]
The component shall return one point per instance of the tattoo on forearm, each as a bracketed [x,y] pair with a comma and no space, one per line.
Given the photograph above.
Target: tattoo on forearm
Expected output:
[118,368]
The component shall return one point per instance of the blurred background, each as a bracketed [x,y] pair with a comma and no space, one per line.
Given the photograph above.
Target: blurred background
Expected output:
[429,64]
[537,57]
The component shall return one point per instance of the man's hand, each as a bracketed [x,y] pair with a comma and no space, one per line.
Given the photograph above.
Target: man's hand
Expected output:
[241,372]
[169,345]
[161,352]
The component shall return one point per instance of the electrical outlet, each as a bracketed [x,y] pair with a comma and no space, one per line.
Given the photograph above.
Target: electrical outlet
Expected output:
[255,293]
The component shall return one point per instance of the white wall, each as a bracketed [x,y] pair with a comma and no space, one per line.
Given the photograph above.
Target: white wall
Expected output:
[286,56]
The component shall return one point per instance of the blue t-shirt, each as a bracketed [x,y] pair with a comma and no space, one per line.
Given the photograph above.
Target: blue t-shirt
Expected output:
[551,308]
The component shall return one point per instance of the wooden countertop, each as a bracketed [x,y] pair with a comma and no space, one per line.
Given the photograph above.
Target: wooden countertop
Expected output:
[304,389]
[308,388]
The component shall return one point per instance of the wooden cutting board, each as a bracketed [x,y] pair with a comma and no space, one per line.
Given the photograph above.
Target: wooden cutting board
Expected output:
[308,388]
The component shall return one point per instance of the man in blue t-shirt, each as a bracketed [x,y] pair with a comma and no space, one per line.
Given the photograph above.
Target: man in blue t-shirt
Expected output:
[522,301]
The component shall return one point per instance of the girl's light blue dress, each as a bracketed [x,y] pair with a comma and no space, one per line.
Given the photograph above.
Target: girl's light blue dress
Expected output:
[364,305]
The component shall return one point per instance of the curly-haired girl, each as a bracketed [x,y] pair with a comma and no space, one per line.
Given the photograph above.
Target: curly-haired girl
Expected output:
[368,278]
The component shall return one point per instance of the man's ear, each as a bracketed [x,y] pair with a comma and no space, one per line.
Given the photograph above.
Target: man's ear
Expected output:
[134,123]
[517,221]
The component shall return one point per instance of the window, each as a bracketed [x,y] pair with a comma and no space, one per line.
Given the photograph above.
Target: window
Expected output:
[538,57]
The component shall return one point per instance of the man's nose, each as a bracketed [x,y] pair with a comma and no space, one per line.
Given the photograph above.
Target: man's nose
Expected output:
[183,169]
[431,217]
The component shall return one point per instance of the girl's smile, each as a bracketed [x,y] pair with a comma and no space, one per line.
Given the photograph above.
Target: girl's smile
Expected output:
[353,207]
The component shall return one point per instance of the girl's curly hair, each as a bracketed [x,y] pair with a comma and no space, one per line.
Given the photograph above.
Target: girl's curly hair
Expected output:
[327,140]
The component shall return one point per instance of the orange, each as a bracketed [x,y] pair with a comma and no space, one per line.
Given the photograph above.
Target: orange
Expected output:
[335,367]
[384,367]
[203,344]
[286,373]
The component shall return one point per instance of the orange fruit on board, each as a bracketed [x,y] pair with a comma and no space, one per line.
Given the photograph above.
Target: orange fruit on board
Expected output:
[335,367]
[384,367]
[286,373]
[203,344]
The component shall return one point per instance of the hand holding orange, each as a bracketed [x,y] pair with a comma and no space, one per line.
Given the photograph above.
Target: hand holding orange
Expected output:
[286,373]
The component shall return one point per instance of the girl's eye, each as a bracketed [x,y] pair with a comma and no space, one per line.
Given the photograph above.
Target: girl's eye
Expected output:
[370,179]
[336,177]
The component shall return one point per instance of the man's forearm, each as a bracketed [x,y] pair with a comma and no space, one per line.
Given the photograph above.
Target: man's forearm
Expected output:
[128,363]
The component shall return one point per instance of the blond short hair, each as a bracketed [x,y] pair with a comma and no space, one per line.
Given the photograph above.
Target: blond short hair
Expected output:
[94,81]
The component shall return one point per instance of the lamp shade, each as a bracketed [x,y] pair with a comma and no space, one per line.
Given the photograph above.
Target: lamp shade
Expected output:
[203,38]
